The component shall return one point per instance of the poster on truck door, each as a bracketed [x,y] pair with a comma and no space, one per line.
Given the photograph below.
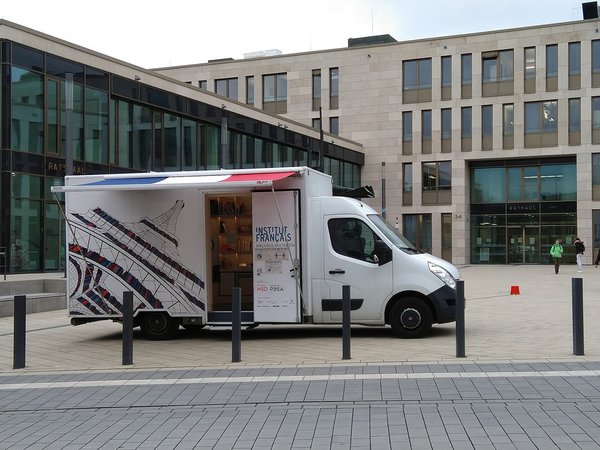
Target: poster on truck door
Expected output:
[275,244]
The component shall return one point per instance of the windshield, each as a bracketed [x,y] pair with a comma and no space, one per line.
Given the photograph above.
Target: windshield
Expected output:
[391,233]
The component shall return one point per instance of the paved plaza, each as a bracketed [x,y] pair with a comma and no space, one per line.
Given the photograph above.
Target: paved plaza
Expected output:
[518,387]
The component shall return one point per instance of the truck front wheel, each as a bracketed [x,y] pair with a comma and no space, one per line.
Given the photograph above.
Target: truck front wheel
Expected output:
[410,318]
[158,326]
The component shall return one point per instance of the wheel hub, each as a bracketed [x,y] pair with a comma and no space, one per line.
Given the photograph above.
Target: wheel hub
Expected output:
[410,318]
[158,323]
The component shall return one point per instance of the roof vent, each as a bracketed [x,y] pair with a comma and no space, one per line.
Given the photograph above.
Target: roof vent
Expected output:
[590,10]
[371,40]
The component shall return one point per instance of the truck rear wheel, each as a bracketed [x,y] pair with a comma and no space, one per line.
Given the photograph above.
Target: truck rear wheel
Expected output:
[158,326]
[411,318]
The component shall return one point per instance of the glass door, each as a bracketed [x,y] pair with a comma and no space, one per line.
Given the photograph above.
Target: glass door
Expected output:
[531,245]
[523,245]
[54,245]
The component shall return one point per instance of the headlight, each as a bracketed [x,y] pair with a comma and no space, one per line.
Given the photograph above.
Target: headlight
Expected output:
[442,274]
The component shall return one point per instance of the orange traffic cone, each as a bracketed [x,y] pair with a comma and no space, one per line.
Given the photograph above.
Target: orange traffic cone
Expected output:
[514,290]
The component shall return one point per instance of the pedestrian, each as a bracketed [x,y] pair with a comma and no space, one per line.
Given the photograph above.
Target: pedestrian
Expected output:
[579,249]
[556,251]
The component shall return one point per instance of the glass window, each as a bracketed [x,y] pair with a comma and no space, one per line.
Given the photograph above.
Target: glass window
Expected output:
[445,175]
[250,90]
[334,125]
[488,185]
[409,75]
[407,126]
[596,56]
[26,222]
[446,71]
[27,57]
[275,93]
[269,88]
[190,144]
[595,176]
[575,115]
[466,69]
[437,176]
[417,229]
[352,237]
[541,117]
[487,120]
[96,126]
[426,124]
[552,60]
[203,84]
[124,139]
[172,142]
[227,88]
[212,147]
[595,113]
[550,116]
[558,182]
[446,123]
[53,135]
[334,87]
[531,183]
[407,178]
[27,93]
[407,185]
[530,63]
[316,83]
[532,118]
[142,138]
[429,172]
[515,184]
[497,66]
[417,74]
[316,89]
[574,58]
[508,119]
[466,122]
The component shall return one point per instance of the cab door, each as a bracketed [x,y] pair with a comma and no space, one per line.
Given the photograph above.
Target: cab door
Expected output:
[354,255]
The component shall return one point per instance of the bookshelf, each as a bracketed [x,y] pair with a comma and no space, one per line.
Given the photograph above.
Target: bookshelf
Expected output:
[231,238]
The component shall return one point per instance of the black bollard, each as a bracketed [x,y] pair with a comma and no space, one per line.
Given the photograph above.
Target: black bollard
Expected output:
[346,322]
[20,311]
[460,319]
[127,328]
[236,324]
[577,295]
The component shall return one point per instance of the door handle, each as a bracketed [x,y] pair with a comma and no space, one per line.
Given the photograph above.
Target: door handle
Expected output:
[337,271]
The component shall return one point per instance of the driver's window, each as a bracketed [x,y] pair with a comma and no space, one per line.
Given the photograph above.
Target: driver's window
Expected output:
[352,237]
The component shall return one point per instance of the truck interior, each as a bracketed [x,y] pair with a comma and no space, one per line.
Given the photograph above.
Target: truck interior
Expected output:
[230,257]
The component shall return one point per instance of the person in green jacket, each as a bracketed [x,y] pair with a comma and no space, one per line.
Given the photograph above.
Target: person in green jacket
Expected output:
[556,251]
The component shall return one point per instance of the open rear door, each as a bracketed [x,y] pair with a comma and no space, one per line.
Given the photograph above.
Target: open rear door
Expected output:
[276,244]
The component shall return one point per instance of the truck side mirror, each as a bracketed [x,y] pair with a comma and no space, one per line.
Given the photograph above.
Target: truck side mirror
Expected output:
[382,254]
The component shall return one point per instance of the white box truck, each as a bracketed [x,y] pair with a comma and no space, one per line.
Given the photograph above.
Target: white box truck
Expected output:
[180,241]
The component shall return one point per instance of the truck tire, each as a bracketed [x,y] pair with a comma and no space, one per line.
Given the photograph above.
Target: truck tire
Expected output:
[158,325]
[410,318]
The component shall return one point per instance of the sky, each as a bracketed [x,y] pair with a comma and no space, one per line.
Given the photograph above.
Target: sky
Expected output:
[162,33]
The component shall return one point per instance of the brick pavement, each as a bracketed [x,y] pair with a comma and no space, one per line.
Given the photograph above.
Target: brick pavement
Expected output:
[439,406]
[519,387]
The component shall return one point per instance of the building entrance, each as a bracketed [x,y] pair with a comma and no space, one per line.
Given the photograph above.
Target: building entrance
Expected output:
[523,245]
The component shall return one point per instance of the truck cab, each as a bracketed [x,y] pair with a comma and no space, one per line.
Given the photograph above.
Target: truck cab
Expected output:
[391,281]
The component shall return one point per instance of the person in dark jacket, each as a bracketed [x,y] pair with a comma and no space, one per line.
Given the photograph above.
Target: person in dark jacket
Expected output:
[579,249]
